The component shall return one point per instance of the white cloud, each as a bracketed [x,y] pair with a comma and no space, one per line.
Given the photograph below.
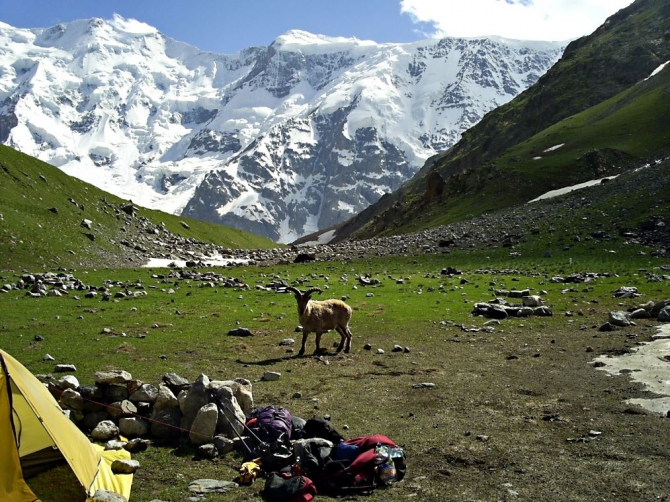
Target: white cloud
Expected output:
[555,20]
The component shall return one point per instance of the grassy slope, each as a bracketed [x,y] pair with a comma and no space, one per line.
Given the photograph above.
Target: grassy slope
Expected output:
[603,140]
[33,236]
[619,54]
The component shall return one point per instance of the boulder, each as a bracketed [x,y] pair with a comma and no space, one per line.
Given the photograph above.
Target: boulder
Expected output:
[639,314]
[120,409]
[532,301]
[125,466]
[191,400]
[166,423]
[231,417]
[134,427]
[223,444]
[91,420]
[68,382]
[242,390]
[113,377]
[147,393]
[543,312]
[72,400]
[105,431]
[116,393]
[165,398]
[203,428]
[619,318]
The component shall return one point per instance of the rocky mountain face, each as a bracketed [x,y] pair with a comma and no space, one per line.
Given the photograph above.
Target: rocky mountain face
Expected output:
[624,51]
[281,140]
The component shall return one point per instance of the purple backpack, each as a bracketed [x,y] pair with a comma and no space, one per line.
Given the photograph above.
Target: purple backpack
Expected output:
[272,422]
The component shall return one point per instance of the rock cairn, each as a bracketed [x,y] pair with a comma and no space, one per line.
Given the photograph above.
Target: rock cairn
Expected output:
[207,412]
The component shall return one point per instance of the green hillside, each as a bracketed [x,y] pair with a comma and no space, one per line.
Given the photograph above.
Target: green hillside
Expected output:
[492,166]
[42,210]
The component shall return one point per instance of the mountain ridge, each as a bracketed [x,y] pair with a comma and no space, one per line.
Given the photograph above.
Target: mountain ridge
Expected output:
[626,49]
[290,138]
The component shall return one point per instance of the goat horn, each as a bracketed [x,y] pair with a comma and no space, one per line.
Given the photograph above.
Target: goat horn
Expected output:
[313,290]
[293,290]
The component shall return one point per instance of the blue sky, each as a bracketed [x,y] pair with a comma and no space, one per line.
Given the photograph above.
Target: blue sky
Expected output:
[227,26]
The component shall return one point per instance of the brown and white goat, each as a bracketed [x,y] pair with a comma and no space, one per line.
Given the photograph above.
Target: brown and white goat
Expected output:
[321,316]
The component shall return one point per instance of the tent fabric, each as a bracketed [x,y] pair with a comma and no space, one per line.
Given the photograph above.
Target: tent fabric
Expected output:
[12,485]
[36,423]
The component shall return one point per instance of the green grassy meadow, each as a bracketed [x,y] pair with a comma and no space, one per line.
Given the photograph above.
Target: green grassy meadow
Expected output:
[496,423]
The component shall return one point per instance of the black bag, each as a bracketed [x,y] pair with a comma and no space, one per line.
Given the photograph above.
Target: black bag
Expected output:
[276,454]
[320,428]
[286,487]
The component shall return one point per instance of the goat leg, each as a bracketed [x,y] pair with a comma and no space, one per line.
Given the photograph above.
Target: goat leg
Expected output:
[347,346]
[318,342]
[343,336]
[304,340]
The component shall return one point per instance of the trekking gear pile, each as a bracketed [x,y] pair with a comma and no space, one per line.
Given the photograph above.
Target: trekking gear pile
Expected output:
[299,458]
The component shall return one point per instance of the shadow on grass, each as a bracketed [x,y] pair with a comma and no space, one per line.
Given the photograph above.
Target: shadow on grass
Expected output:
[265,362]
[276,360]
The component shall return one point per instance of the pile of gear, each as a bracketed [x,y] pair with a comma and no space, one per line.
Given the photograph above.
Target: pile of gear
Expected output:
[300,458]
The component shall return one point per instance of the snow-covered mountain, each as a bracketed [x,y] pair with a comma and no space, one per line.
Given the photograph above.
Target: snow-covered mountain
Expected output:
[281,140]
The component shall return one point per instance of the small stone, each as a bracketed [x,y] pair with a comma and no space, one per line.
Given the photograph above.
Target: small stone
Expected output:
[115,445]
[105,431]
[271,376]
[137,445]
[367,346]
[113,377]
[239,332]
[380,351]
[207,451]
[200,486]
[68,382]
[619,318]
[423,385]
[65,368]
[48,357]
[397,348]
[297,395]
[223,444]
[125,466]
[101,495]
[287,342]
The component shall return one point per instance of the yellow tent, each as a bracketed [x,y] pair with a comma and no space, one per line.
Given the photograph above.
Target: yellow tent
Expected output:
[35,433]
